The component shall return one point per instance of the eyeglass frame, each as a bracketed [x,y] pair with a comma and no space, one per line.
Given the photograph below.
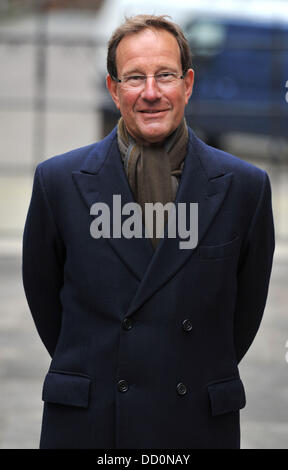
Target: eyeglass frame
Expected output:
[118,80]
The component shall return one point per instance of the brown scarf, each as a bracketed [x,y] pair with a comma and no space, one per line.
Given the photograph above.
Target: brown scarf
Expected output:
[153,170]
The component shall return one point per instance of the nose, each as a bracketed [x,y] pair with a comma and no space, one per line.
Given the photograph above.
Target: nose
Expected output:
[151,91]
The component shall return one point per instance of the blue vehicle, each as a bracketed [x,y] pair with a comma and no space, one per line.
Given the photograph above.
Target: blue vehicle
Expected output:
[241,74]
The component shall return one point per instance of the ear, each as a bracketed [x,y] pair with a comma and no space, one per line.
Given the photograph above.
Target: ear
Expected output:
[188,82]
[112,87]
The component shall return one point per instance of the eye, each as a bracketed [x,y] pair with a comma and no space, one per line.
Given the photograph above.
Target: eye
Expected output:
[134,79]
[165,77]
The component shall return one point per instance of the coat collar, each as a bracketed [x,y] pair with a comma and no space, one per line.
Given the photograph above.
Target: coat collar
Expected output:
[203,181]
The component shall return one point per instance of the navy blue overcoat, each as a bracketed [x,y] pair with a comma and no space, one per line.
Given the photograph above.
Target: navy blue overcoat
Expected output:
[145,346]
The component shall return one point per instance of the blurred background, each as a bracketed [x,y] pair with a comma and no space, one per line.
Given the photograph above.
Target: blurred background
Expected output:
[53,98]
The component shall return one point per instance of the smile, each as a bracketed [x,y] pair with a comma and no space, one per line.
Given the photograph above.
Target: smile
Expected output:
[154,111]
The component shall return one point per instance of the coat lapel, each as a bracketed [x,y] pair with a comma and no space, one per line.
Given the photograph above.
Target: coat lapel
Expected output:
[101,177]
[202,182]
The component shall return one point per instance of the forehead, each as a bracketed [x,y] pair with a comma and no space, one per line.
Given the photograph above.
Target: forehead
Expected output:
[148,49]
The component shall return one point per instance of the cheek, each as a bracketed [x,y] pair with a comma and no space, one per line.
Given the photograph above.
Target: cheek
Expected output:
[178,100]
[126,103]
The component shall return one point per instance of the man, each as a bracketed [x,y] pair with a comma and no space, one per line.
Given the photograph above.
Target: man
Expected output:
[145,335]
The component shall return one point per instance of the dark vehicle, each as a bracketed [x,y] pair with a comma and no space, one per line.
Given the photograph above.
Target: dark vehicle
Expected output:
[241,73]
[241,70]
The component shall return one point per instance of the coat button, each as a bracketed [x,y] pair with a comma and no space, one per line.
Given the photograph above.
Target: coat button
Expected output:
[181,389]
[122,386]
[127,323]
[187,325]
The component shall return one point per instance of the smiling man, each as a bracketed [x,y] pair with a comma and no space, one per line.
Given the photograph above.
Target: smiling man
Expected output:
[146,337]
[154,88]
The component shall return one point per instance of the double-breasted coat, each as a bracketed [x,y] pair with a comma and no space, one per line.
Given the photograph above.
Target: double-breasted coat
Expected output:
[145,345]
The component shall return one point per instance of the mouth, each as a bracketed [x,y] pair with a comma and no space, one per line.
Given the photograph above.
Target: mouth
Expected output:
[153,111]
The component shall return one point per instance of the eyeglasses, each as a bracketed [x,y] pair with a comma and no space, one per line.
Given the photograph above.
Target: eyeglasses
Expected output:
[137,82]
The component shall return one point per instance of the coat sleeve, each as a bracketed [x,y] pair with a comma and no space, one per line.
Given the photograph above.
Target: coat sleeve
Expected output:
[42,265]
[254,272]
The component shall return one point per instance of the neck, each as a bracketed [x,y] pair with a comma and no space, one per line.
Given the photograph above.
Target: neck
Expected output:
[161,143]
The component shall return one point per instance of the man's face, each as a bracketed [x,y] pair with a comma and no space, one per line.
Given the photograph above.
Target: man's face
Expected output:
[153,113]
